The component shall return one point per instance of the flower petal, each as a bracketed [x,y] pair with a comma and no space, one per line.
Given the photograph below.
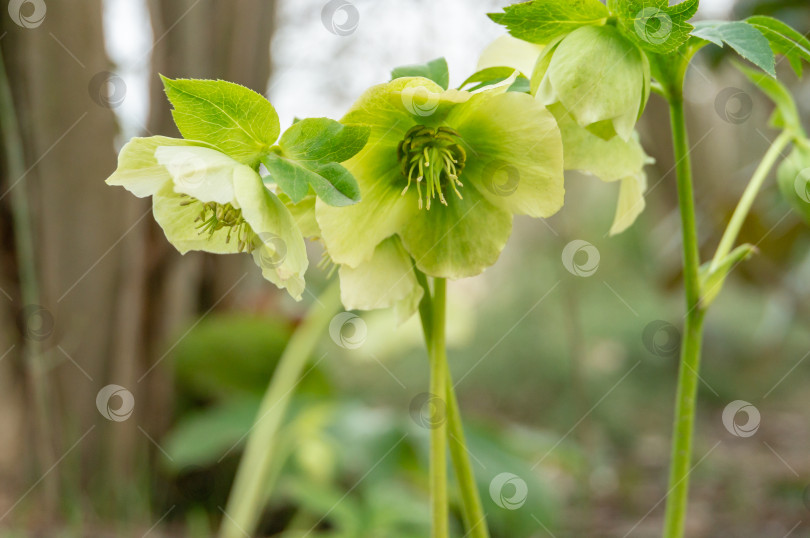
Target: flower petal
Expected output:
[458,240]
[631,202]
[609,160]
[598,75]
[202,173]
[514,152]
[138,171]
[387,279]
[351,233]
[279,248]
[510,52]
[177,215]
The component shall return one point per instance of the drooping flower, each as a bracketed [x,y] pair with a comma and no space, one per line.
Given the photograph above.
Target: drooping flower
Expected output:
[205,200]
[598,76]
[441,177]
[611,159]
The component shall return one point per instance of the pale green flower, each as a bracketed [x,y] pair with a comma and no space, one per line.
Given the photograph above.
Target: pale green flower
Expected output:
[598,76]
[614,159]
[441,176]
[205,200]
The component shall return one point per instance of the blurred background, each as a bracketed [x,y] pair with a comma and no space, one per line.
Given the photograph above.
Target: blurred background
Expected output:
[566,382]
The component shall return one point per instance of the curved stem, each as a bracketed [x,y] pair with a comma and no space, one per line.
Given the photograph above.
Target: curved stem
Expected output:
[748,197]
[472,510]
[683,428]
[438,432]
[249,491]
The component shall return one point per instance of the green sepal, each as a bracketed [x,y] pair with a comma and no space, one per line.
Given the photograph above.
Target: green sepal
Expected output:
[793,178]
[232,118]
[712,280]
[435,70]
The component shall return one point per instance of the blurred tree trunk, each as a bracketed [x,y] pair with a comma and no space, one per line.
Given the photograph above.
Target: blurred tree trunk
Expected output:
[75,219]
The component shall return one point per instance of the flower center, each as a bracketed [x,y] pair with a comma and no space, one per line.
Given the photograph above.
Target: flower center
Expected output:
[213,217]
[434,156]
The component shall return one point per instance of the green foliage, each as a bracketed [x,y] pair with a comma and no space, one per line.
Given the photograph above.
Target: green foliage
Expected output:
[310,152]
[654,25]
[711,280]
[744,38]
[784,40]
[541,21]
[793,178]
[435,70]
[235,120]
[494,75]
[786,115]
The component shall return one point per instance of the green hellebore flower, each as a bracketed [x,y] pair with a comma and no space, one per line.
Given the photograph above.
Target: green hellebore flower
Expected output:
[205,200]
[614,159]
[442,174]
[601,78]
[793,177]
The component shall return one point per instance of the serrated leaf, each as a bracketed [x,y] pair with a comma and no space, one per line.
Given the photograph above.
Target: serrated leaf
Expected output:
[784,40]
[745,39]
[323,140]
[787,114]
[435,70]
[654,25]
[712,280]
[331,182]
[541,21]
[234,119]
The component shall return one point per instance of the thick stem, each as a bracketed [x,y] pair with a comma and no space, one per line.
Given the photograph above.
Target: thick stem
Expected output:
[748,197]
[249,491]
[683,428]
[472,510]
[438,432]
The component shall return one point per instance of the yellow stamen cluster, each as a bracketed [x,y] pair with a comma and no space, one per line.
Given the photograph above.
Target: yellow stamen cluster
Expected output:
[435,156]
[213,217]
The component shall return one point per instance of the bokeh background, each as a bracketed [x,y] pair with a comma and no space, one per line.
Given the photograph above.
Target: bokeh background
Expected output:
[566,381]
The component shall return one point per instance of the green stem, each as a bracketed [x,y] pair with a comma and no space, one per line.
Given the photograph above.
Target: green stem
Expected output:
[748,197]
[249,491]
[472,510]
[683,428]
[438,432]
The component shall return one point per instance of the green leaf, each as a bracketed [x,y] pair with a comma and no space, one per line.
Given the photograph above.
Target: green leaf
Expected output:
[541,21]
[744,38]
[323,140]
[784,40]
[235,120]
[494,75]
[711,281]
[331,182]
[654,25]
[786,115]
[309,152]
[435,70]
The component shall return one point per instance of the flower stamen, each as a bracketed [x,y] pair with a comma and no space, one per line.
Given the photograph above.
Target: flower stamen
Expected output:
[438,158]
[214,217]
